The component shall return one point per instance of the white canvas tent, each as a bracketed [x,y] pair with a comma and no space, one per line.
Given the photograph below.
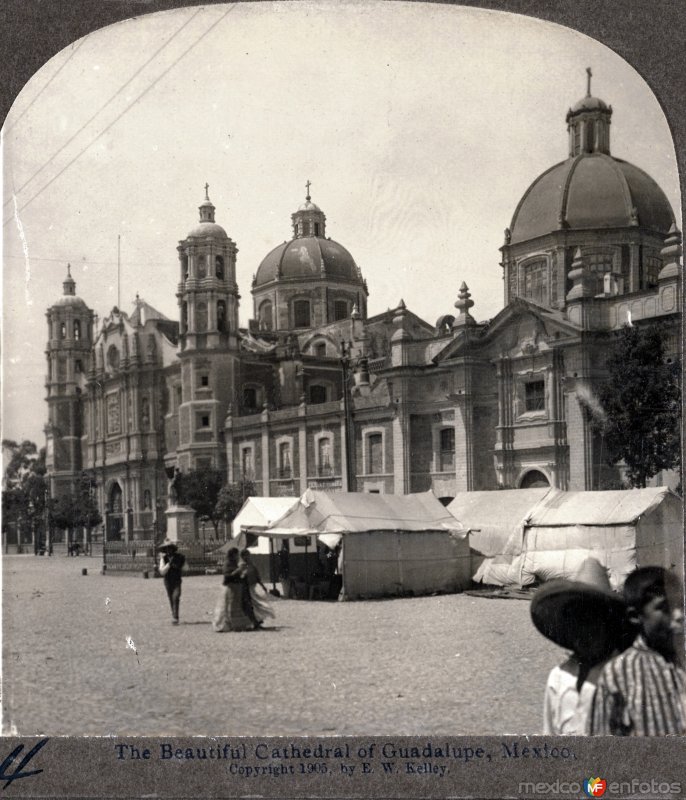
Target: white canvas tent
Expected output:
[389,544]
[259,513]
[622,529]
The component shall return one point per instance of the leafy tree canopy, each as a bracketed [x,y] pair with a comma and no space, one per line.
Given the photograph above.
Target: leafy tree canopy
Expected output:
[641,401]
[232,497]
[200,490]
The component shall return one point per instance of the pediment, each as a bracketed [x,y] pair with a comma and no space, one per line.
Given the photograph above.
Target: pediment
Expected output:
[521,328]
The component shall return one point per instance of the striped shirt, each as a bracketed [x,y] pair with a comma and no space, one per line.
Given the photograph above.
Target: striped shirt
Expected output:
[640,693]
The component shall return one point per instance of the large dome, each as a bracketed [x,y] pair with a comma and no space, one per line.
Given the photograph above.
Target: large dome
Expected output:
[589,191]
[308,258]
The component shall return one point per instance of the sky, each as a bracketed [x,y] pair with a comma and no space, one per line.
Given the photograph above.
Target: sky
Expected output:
[420,127]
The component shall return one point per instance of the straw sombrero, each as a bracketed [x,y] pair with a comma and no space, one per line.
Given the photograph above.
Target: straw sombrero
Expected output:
[559,605]
[168,544]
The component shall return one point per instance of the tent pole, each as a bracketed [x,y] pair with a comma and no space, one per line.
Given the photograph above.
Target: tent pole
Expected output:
[271,562]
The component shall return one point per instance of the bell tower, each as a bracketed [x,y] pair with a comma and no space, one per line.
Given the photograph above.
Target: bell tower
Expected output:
[70,339]
[208,338]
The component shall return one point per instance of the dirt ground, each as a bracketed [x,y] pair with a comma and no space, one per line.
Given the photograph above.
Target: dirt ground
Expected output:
[98,655]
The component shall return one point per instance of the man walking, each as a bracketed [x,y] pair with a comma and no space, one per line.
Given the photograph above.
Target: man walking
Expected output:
[170,567]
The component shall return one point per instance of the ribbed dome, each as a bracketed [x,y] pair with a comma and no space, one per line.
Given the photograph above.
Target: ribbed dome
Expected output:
[70,300]
[589,103]
[591,190]
[208,228]
[308,258]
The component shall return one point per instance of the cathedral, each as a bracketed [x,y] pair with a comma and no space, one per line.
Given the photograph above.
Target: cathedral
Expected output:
[314,392]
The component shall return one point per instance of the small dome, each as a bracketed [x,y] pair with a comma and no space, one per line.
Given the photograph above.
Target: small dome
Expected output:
[590,103]
[307,258]
[208,228]
[70,300]
[308,205]
[591,190]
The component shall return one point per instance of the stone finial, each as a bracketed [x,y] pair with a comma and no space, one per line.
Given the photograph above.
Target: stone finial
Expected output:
[508,235]
[463,303]
[671,254]
[579,277]
[355,314]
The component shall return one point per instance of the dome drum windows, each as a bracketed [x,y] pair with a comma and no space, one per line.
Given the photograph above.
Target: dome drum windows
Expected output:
[534,281]
[301,314]
[266,316]
[201,266]
[77,330]
[219,267]
[341,310]
[604,271]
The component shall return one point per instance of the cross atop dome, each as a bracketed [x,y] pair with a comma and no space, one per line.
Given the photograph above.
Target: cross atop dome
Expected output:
[309,219]
[588,123]
[69,284]
[206,208]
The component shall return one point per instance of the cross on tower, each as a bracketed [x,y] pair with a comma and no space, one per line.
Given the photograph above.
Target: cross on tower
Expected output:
[207,196]
[308,184]
[588,84]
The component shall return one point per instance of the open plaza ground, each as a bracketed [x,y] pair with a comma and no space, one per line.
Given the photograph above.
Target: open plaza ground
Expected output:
[97,654]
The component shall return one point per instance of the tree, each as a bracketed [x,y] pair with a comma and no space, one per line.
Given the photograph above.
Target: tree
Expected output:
[232,497]
[24,488]
[641,401]
[200,490]
[77,509]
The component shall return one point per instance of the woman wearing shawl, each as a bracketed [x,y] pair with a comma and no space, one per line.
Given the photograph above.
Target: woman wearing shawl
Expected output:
[256,606]
[229,615]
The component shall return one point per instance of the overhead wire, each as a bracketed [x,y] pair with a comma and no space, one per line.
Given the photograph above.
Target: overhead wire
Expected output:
[121,114]
[103,106]
[73,52]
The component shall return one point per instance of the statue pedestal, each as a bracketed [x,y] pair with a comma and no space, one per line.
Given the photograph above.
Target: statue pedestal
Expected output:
[181,524]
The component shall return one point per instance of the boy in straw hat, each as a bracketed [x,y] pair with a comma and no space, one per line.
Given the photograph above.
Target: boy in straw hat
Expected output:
[170,567]
[642,692]
[585,616]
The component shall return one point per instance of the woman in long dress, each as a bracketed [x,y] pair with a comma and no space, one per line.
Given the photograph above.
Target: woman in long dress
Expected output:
[228,614]
[256,606]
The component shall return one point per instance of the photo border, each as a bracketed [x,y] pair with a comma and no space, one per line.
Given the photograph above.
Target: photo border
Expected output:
[649,34]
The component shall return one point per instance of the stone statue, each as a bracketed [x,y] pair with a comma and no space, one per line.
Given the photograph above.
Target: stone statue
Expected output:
[174,488]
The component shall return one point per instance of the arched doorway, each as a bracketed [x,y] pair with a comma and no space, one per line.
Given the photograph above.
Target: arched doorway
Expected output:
[115,513]
[534,479]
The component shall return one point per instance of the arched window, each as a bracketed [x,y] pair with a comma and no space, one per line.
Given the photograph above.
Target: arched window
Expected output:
[184,266]
[301,314]
[201,318]
[219,267]
[265,319]
[221,316]
[250,398]
[113,357]
[184,317]
[316,229]
[77,329]
[320,349]
[202,267]
[147,501]
[63,331]
[534,479]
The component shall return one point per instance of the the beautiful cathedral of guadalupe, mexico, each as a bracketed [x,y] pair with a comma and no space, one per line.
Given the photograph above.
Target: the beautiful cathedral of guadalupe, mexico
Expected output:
[314,392]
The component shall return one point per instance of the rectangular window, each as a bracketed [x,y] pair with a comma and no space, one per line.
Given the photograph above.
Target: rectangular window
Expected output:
[447,452]
[285,460]
[340,310]
[324,457]
[375,453]
[247,468]
[535,396]
[536,282]
[202,421]
[204,380]
[301,313]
